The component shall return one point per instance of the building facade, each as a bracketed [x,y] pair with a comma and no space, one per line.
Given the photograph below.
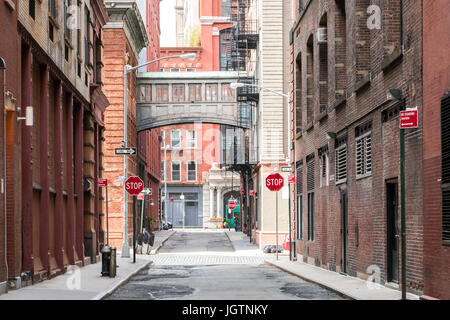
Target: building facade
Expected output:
[436,105]
[10,250]
[354,68]
[124,38]
[53,203]
[193,148]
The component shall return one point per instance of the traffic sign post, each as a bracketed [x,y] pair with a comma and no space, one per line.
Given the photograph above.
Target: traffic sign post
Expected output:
[275,182]
[134,186]
[103,183]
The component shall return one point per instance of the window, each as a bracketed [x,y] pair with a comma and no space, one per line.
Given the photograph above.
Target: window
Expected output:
[87,56]
[191,171]
[32,8]
[195,92]
[161,70]
[66,18]
[299,169]
[227,92]
[310,81]
[225,49]
[298,94]
[145,93]
[51,31]
[324,167]
[191,70]
[162,92]
[341,164]
[52,8]
[176,171]
[311,188]
[163,138]
[445,175]
[211,92]
[174,70]
[178,92]
[191,139]
[175,139]
[226,8]
[364,156]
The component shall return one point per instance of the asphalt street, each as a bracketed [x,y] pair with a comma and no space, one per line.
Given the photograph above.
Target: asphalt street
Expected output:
[204,266]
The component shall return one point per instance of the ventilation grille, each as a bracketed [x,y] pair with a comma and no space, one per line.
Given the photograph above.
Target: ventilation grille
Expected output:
[445,136]
[364,156]
[341,164]
[310,181]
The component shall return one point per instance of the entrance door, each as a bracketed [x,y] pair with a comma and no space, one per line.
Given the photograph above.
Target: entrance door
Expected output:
[392,232]
[192,217]
[344,230]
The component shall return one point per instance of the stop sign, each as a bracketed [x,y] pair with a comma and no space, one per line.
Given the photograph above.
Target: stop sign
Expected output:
[231,205]
[134,185]
[274,182]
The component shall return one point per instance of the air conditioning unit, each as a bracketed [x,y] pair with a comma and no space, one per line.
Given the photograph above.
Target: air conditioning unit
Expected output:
[322,35]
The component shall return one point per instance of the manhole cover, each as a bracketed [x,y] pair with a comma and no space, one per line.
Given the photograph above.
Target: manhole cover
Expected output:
[308,291]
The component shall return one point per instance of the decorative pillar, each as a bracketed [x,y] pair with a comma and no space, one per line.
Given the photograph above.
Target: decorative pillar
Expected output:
[27,173]
[70,212]
[59,250]
[45,196]
[211,202]
[219,202]
[79,182]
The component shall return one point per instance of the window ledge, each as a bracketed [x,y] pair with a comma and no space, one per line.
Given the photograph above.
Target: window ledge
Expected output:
[309,126]
[446,243]
[362,83]
[53,21]
[341,182]
[340,100]
[363,176]
[391,58]
[322,116]
[298,135]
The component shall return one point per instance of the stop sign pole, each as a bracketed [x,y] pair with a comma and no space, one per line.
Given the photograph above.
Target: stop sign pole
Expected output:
[133,186]
[275,182]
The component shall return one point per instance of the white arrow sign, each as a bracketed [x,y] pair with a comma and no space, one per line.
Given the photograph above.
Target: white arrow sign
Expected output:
[126,151]
[147,191]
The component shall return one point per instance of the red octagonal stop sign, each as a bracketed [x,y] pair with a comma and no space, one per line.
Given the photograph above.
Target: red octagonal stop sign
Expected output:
[231,205]
[274,182]
[134,185]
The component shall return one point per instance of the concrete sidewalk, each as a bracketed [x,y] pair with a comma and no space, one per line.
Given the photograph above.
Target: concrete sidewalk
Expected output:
[350,287]
[242,245]
[86,283]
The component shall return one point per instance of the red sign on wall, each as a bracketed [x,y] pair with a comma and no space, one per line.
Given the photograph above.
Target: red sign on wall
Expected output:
[274,182]
[242,191]
[102,182]
[141,196]
[409,119]
[291,179]
[252,193]
[134,185]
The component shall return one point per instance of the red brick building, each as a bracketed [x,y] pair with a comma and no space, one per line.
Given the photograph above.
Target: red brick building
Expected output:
[436,104]
[10,99]
[124,38]
[355,67]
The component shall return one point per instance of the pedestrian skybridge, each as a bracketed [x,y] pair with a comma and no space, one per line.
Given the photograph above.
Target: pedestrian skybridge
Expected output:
[170,98]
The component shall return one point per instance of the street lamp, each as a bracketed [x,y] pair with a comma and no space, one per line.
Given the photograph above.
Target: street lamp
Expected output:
[128,69]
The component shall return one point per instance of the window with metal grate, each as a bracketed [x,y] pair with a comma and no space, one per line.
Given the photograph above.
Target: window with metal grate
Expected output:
[364,156]
[299,168]
[341,164]
[445,145]
[310,172]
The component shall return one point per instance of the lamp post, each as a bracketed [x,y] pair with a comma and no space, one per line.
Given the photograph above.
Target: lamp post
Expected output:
[184,207]
[128,69]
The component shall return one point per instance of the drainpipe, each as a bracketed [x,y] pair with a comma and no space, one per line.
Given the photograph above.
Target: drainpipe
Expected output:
[3,186]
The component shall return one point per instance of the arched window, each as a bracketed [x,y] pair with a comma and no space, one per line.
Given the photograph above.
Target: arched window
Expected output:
[340,39]
[323,64]
[298,93]
[310,80]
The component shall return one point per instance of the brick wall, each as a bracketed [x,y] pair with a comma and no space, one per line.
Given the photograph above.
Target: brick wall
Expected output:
[436,82]
[362,67]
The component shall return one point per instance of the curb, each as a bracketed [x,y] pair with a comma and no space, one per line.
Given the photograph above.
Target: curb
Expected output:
[162,243]
[109,292]
[226,233]
[312,281]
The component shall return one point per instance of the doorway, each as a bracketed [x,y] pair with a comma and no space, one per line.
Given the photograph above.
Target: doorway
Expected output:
[344,230]
[392,231]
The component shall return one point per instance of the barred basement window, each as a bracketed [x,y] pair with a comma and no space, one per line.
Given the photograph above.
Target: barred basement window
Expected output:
[445,145]
[341,164]
[364,156]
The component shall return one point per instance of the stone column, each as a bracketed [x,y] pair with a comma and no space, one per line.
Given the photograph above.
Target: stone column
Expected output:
[211,202]
[219,202]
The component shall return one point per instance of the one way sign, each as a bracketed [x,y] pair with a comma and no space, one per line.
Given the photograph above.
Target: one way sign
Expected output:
[126,151]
